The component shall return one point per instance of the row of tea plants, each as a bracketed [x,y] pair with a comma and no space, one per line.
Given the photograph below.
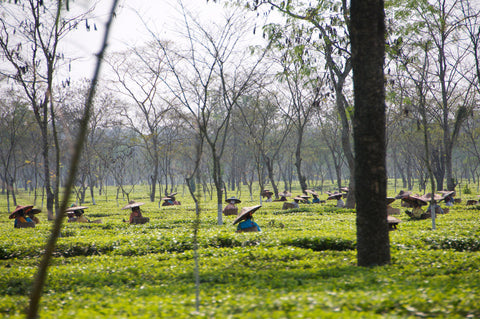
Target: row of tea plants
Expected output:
[302,265]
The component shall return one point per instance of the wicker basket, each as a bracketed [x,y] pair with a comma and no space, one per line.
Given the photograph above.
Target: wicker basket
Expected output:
[230,211]
[393,211]
[140,220]
[288,206]
[26,225]
[471,202]
[406,204]
[248,230]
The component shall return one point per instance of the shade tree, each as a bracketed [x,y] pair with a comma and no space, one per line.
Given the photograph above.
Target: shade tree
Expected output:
[30,35]
[329,21]
[15,115]
[136,76]
[265,129]
[437,27]
[210,73]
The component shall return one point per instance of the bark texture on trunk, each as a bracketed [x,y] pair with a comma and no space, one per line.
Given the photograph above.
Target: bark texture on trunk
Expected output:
[367,31]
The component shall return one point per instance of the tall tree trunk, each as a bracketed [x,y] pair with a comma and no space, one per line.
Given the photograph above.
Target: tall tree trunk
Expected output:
[92,192]
[271,177]
[298,160]
[154,179]
[217,180]
[346,145]
[57,158]
[46,172]
[367,31]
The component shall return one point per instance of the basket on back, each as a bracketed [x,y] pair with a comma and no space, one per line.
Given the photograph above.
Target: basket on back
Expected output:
[25,225]
[230,211]
[288,206]
[140,220]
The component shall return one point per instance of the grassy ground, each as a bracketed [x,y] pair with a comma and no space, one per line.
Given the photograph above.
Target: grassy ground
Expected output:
[302,265]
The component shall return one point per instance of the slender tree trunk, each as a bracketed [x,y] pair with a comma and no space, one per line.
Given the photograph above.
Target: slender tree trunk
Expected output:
[367,31]
[271,177]
[57,153]
[298,160]
[92,193]
[345,138]
[217,180]
[156,161]
[46,170]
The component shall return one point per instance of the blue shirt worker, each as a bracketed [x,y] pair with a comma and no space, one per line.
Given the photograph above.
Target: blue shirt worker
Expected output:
[246,220]
[19,215]
[315,199]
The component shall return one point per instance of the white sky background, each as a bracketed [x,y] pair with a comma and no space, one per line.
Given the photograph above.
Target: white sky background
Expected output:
[162,16]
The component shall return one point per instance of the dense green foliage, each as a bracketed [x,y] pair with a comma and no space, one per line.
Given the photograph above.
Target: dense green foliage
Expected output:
[302,265]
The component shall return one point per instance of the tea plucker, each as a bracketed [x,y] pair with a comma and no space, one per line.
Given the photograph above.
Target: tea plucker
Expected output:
[135,206]
[296,200]
[21,220]
[305,198]
[170,200]
[268,195]
[338,197]
[315,199]
[246,220]
[283,196]
[436,198]
[78,212]
[230,208]
[448,197]
[416,202]
[32,214]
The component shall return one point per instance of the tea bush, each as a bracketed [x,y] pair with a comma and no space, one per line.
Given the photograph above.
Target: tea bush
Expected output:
[302,265]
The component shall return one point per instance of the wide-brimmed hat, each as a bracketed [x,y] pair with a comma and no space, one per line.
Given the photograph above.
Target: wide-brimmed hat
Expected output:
[266,192]
[234,199]
[285,194]
[18,209]
[304,196]
[390,200]
[335,196]
[393,220]
[415,199]
[428,197]
[445,194]
[245,212]
[132,204]
[344,189]
[298,198]
[166,199]
[172,195]
[74,208]
[403,194]
[34,211]
[309,191]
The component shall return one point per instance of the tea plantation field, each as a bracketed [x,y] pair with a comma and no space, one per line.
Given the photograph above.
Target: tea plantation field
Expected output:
[302,265]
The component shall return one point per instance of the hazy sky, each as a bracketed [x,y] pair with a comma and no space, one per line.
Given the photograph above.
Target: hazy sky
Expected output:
[129,29]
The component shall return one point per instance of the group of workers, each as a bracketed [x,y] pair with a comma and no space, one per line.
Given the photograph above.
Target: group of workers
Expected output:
[244,218]
[170,200]
[305,199]
[25,216]
[76,214]
[415,202]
